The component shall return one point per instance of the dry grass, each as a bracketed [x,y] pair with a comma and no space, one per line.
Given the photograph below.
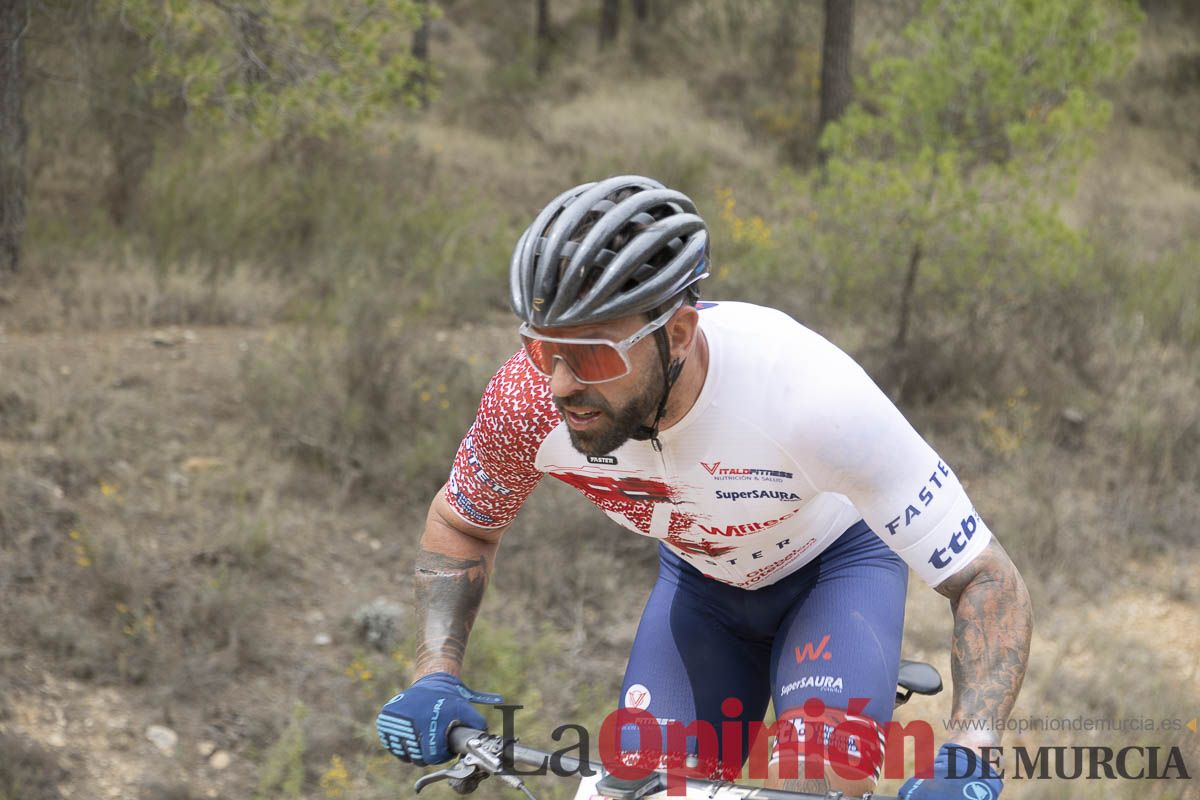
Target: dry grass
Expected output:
[64,292]
[651,127]
[377,406]
[112,520]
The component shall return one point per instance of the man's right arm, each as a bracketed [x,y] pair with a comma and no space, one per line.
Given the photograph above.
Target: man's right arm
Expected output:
[452,571]
[494,472]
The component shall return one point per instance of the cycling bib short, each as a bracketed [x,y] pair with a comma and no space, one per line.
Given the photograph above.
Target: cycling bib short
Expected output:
[829,631]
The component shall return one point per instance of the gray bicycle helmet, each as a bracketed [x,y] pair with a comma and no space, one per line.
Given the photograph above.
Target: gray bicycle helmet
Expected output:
[607,249]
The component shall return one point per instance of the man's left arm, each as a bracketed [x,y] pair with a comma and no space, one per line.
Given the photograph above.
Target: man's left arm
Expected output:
[993,625]
[851,439]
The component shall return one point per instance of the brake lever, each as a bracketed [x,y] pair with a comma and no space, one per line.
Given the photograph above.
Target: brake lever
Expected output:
[458,774]
[481,760]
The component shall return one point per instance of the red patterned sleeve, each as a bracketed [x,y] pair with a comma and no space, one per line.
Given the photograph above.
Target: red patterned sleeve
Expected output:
[494,469]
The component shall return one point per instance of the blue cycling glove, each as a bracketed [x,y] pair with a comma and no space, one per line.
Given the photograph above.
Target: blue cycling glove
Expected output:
[969,782]
[413,724]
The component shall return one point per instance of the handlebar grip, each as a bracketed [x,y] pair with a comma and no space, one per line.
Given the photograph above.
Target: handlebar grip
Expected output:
[459,735]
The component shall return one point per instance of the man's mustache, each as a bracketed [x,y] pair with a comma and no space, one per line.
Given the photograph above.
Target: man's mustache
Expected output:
[582,399]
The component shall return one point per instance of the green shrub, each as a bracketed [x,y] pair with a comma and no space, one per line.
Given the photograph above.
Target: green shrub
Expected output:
[282,772]
[291,69]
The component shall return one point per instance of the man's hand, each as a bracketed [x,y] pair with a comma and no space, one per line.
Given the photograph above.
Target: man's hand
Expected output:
[414,723]
[958,774]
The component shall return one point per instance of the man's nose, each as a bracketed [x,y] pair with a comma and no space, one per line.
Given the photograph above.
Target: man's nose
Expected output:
[563,382]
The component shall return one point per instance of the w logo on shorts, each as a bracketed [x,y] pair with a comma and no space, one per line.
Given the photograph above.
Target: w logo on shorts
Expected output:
[810,653]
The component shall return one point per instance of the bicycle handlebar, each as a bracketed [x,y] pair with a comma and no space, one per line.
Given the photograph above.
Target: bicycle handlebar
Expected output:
[495,755]
[460,735]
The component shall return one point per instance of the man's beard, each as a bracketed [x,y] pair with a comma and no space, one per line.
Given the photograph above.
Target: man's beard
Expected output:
[617,426]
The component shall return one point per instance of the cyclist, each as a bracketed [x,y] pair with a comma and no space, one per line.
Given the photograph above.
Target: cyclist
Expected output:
[789,497]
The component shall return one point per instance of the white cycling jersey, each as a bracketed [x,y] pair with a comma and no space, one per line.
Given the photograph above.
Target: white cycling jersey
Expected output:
[788,444]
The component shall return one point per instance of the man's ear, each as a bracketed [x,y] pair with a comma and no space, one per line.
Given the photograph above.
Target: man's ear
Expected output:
[682,329]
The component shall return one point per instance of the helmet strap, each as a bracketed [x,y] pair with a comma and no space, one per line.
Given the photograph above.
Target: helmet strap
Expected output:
[671,370]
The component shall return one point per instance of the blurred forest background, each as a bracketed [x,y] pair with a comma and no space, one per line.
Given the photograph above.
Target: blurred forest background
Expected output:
[253,260]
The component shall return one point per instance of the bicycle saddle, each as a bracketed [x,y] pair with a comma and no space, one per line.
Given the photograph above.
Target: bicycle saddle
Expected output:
[917,677]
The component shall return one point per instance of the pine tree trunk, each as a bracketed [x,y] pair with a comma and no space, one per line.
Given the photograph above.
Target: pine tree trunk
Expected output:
[640,35]
[544,36]
[121,113]
[904,316]
[610,21]
[420,51]
[784,42]
[14,21]
[836,85]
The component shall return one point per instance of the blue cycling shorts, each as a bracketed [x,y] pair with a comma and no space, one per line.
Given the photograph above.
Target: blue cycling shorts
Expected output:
[831,631]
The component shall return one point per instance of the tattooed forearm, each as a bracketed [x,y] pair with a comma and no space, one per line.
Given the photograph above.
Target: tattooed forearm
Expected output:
[449,592]
[993,624]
